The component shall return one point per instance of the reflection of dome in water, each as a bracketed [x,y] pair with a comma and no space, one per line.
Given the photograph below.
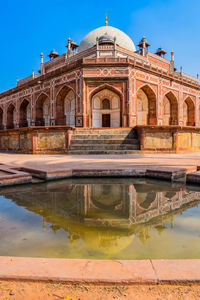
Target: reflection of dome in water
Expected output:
[106,196]
[107,242]
[105,204]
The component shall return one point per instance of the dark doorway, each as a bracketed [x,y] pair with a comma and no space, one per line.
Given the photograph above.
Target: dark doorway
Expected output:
[106,120]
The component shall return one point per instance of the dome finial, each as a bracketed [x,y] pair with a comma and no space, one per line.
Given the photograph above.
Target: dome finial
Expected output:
[106,20]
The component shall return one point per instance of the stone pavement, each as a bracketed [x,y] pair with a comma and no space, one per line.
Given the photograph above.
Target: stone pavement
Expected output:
[172,167]
[190,161]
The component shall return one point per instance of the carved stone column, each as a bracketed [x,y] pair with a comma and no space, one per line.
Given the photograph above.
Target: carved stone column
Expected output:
[33,108]
[132,101]
[4,116]
[159,106]
[79,122]
[17,107]
[124,106]
[52,104]
[180,107]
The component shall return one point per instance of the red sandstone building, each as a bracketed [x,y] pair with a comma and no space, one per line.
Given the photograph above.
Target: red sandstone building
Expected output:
[102,83]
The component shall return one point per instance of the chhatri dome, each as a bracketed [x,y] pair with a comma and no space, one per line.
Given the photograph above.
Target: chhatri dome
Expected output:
[122,39]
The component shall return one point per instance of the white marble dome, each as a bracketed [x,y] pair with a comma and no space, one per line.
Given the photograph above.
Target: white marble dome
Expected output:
[122,39]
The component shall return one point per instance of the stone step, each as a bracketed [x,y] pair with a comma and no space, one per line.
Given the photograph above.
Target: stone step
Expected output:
[103,152]
[105,141]
[104,147]
[104,131]
[103,137]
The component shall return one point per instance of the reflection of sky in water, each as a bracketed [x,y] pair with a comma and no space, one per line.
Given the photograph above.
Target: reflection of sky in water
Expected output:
[102,218]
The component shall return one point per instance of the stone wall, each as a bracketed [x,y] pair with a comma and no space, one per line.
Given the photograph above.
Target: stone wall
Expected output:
[56,139]
[36,140]
[168,138]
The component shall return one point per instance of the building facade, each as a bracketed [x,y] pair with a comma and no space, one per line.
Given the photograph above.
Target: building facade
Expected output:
[103,83]
[107,83]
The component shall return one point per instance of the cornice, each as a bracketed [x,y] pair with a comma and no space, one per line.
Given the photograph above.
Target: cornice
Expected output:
[102,62]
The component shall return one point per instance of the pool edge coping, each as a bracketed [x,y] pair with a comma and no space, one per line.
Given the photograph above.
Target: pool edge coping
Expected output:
[61,270]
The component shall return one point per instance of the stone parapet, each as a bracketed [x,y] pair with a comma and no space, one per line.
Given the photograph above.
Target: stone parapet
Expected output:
[175,139]
[36,140]
[62,139]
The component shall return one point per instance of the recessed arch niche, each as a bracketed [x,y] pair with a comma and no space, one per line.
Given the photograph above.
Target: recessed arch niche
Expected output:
[146,106]
[106,109]
[170,109]
[188,112]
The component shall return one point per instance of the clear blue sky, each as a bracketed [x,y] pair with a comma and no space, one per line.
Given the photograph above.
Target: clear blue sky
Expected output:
[30,27]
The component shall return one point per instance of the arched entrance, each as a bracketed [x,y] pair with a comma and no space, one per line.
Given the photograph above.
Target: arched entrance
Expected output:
[146,106]
[11,117]
[24,114]
[106,109]
[188,112]
[65,107]
[170,109]
[42,111]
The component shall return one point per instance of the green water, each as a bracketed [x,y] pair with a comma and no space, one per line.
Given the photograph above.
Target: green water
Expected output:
[101,219]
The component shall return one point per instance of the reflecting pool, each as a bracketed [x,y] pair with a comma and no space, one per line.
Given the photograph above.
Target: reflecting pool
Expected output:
[101,219]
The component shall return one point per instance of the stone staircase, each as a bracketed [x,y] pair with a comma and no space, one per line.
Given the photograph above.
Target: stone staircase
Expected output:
[104,141]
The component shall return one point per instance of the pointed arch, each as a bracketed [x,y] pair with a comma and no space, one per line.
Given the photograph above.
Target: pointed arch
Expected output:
[103,87]
[170,109]
[11,116]
[65,106]
[42,110]
[146,106]
[188,112]
[24,113]
[65,86]
[106,104]
[44,94]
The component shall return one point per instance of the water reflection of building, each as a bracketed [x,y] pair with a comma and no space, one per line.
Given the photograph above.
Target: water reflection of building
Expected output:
[86,210]
[132,203]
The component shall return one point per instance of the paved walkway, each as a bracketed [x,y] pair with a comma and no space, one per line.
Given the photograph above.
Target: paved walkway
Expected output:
[61,162]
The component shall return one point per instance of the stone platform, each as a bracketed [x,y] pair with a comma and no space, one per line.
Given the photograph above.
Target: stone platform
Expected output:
[172,167]
[9,175]
[102,141]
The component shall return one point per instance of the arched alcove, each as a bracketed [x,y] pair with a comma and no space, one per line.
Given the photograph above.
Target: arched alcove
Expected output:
[42,111]
[146,106]
[106,109]
[23,114]
[188,112]
[65,107]
[170,109]
[11,117]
